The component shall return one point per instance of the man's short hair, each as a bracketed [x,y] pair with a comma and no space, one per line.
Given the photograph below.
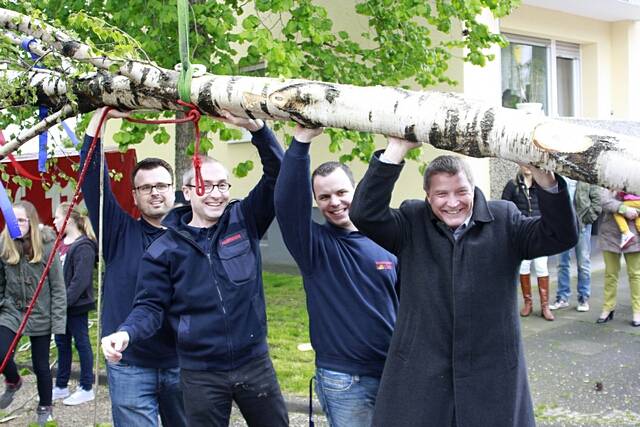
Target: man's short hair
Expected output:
[191,173]
[448,164]
[328,167]
[148,164]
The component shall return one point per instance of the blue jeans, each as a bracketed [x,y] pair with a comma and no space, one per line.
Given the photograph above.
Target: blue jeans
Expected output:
[78,329]
[347,400]
[208,395]
[583,260]
[139,395]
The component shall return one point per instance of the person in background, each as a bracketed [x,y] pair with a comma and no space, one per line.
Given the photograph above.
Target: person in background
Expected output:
[22,262]
[523,192]
[629,201]
[586,201]
[609,239]
[78,254]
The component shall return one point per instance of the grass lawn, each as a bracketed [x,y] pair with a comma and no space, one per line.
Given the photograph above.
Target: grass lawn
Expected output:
[288,326]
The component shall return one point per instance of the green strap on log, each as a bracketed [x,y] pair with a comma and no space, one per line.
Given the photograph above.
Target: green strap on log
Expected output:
[184,81]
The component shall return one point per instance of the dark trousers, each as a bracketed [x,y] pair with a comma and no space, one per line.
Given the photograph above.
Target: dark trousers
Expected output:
[254,387]
[39,359]
[78,329]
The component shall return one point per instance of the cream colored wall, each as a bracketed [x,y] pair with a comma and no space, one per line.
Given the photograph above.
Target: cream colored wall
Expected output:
[625,37]
[595,38]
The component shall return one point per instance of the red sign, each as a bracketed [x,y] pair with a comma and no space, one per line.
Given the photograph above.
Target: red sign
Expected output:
[55,188]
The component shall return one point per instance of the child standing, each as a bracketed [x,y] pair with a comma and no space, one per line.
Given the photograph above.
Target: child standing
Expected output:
[22,262]
[629,201]
[78,256]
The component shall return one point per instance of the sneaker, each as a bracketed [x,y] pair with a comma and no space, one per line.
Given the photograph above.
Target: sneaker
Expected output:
[44,414]
[79,397]
[627,239]
[560,303]
[583,305]
[9,391]
[60,393]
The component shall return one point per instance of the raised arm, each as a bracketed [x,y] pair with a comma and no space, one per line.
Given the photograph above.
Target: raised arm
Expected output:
[115,218]
[556,230]
[293,198]
[370,210]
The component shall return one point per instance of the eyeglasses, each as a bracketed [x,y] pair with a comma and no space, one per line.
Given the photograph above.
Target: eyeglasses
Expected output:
[146,189]
[223,187]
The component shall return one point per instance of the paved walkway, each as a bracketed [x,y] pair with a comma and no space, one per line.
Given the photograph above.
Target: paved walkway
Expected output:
[581,373]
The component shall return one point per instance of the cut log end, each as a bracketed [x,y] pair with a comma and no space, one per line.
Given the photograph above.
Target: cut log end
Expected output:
[553,136]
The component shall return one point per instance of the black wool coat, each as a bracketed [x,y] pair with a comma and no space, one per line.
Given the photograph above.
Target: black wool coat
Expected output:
[456,350]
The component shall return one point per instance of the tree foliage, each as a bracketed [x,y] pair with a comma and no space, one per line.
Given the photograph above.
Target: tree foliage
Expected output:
[286,38]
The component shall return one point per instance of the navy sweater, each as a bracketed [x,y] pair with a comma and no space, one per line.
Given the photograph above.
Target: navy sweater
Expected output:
[350,281]
[125,241]
[208,282]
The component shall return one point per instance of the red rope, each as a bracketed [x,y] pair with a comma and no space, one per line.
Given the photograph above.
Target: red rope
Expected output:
[16,165]
[193,115]
[53,254]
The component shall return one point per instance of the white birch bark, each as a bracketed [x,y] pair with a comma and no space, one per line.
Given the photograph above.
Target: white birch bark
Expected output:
[444,120]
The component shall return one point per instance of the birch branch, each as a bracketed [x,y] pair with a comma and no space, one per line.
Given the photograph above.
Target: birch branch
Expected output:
[445,120]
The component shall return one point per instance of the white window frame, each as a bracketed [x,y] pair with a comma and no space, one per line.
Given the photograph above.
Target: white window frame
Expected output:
[556,49]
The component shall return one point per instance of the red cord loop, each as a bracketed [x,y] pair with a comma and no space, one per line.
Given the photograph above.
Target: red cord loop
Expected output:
[192,115]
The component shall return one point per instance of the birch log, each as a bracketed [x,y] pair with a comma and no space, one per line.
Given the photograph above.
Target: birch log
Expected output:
[445,120]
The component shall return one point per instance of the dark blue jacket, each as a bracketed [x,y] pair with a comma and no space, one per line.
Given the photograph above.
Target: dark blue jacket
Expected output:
[124,243]
[350,281]
[213,298]
[77,269]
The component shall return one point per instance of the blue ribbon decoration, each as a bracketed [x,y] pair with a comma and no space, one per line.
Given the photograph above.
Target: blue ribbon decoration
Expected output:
[71,135]
[9,216]
[43,112]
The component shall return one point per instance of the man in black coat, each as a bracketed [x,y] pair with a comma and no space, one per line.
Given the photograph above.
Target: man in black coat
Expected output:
[456,356]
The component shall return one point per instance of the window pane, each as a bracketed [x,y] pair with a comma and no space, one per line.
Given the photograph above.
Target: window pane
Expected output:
[524,75]
[566,85]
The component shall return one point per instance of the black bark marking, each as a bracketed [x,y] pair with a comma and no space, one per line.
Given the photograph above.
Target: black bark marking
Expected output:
[395,107]
[205,98]
[145,73]
[331,94]
[370,116]
[250,114]
[70,48]
[263,104]
[230,85]
[486,125]
[410,134]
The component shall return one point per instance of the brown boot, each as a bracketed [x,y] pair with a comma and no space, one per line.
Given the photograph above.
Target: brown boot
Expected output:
[543,287]
[525,284]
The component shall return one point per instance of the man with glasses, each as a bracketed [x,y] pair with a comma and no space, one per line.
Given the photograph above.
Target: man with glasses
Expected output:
[145,383]
[204,276]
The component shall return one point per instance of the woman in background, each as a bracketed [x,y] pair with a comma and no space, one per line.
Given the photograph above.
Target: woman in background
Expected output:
[22,262]
[77,253]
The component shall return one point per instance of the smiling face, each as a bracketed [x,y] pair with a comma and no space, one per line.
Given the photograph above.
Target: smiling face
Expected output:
[153,206]
[334,194]
[23,220]
[451,198]
[208,208]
